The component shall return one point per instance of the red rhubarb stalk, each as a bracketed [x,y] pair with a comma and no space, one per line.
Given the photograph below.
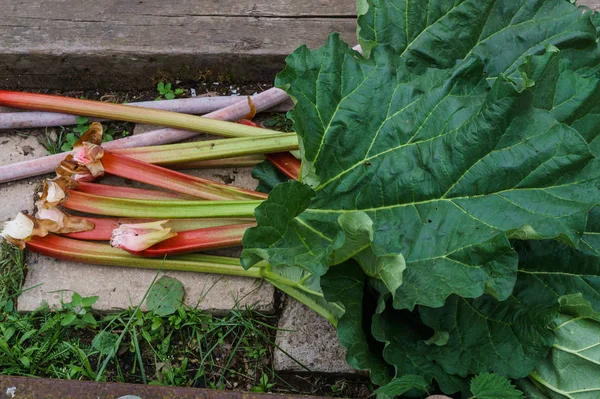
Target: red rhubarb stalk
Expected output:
[286,163]
[103,254]
[129,192]
[198,240]
[171,180]
[103,227]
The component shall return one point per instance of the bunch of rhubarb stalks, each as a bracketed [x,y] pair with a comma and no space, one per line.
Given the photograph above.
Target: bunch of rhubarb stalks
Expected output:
[79,219]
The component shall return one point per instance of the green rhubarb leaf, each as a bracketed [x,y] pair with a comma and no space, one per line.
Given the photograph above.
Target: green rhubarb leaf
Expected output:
[165,296]
[402,385]
[515,331]
[501,32]
[548,270]
[571,370]
[571,94]
[268,176]
[403,334]
[446,168]
[486,335]
[345,284]
[493,386]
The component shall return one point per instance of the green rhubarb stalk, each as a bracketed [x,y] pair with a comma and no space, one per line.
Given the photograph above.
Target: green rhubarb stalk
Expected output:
[235,162]
[98,109]
[308,300]
[102,254]
[158,209]
[173,154]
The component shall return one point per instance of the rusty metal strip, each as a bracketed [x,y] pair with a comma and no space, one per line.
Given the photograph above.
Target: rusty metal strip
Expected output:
[41,388]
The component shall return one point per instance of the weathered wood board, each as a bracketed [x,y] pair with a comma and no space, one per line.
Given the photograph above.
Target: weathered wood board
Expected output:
[122,44]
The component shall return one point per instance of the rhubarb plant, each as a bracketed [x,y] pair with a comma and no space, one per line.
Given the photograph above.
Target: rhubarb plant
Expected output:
[434,167]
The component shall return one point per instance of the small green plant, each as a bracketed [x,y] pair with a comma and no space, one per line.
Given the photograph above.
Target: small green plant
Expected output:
[264,385]
[78,312]
[65,139]
[72,137]
[171,344]
[279,122]
[82,126]
[165,91]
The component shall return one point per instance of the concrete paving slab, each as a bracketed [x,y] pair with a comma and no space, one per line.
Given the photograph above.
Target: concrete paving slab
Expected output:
[311,340]
[18,196]
[119,288]
[52,280]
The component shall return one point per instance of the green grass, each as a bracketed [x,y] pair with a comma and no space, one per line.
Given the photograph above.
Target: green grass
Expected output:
[186,347]
[12,274]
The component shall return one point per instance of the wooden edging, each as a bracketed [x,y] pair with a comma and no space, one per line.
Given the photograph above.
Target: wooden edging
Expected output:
[37,388]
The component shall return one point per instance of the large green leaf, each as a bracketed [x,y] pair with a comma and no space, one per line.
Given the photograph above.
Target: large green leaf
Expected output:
[548,270]
[403,333]
[511,336]
[402,385]
[345,284]
[268,176]
[446,168]
[572,371]
[486,335]
[501,32]
[572,95]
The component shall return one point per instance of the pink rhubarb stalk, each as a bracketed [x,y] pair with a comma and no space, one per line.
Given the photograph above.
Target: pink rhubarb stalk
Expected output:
[103,227]
[171,180]
[194,241]
[129,192]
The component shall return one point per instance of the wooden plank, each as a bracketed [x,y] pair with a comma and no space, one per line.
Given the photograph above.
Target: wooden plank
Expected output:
[121,43]
[130,10]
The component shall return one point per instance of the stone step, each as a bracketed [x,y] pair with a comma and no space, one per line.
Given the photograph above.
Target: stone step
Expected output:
[306,340]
